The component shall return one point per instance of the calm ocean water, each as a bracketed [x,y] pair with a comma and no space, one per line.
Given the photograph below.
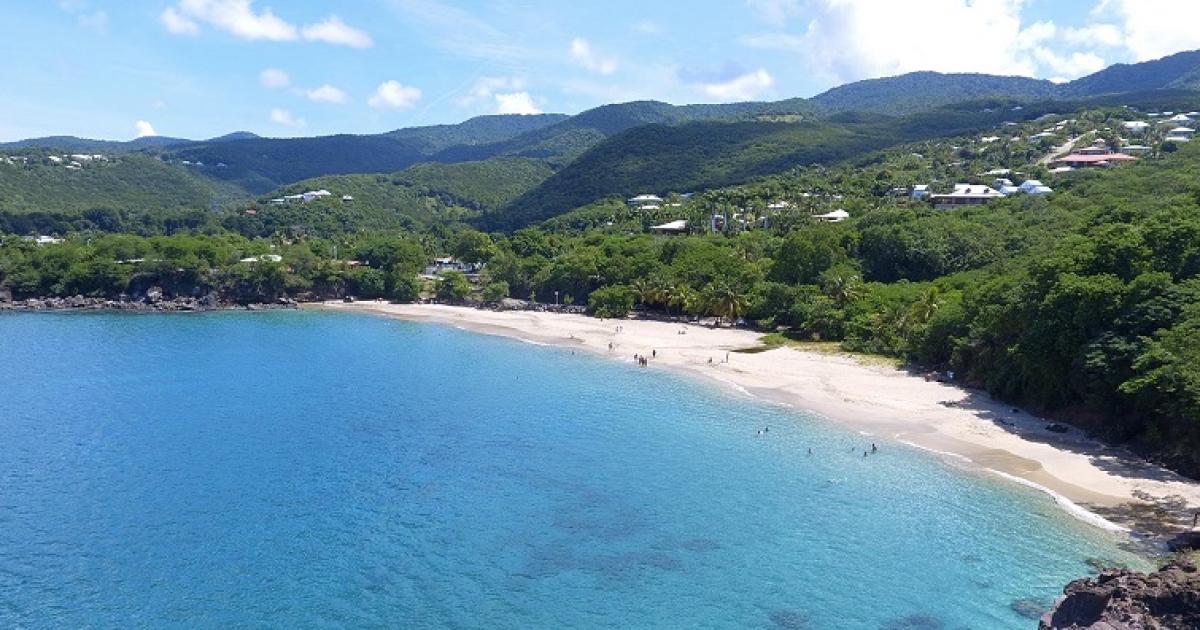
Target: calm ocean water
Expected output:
[300,469]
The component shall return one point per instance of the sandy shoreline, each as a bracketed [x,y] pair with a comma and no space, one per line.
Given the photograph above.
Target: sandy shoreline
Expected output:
[883,401]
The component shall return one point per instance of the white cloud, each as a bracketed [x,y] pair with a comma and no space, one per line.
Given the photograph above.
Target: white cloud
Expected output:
[774,12]
[583,54]
[236,17]
[485,88]
[1154,28]
[284,117]
[327,94]
[854,39]
[274,78]
[1071,65]
[516,103]
[240,19]
[144,129]
[394,95]
[1094,35]
[176,23]
[742,88]
[334,31]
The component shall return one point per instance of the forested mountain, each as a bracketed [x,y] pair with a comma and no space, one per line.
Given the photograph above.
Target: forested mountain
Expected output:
[130,182]
[919,91]
[1179,71]
[422,194]
[263,164]
[86,145]
[696,156]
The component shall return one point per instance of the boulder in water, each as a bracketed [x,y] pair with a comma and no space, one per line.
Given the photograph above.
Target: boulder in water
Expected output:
[1120,598]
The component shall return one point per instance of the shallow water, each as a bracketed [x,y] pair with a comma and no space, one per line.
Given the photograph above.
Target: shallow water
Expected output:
[300,469]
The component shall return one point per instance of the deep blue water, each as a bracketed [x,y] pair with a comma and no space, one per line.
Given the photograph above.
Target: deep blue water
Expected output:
[302,469]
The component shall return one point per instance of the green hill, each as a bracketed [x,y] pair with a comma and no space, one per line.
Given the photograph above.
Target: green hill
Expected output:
[126,182]
[264,164]
[919,91]
[420,195]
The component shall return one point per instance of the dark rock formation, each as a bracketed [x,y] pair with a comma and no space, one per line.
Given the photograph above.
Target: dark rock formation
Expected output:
[154,301]
[1120,598]
[1186,541]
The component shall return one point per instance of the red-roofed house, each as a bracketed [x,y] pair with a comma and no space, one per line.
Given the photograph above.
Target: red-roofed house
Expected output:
[1078,160]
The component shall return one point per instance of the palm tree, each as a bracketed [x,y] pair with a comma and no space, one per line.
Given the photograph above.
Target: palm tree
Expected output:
[643,291]
[843,288]
[926,305]
[726,300]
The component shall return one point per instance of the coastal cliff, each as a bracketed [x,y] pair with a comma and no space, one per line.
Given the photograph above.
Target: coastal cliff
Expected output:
[1119,598]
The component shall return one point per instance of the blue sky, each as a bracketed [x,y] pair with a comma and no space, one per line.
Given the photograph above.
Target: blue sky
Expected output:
[200,68]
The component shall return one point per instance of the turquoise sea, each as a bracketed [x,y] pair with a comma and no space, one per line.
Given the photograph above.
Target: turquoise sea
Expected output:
[306,469]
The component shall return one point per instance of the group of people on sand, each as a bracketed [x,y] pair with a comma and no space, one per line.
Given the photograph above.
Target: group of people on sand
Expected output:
[642,360]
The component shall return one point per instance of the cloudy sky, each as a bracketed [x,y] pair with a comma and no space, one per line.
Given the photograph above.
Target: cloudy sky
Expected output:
[200,68]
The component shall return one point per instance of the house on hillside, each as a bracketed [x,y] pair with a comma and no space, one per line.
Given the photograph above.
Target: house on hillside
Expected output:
[1134,149]
[1034,187]
[1181,119]
[678,226]
[1005,186]
[315,194]
[645,202]
[347,198]
[42,240]
[1082,159]
[1136,126]
[837,216]
[920,191]
[965,195]
[446,263]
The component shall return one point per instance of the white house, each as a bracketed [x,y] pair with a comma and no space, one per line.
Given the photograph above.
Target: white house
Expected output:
[643,201]
[1134,149]
[1041,136]
[779,205]
[347,198]
[1005,186]
[1181,119]
[42,240]
[264,258]
[315,194]
[1034,187]
[920,191]
[446,263]
[837,216]
[1137,126]
[1181,131]
[678,226]
[1177,138]
[966,195]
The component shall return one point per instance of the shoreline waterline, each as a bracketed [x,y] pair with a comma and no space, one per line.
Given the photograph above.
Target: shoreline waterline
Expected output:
[1099,485]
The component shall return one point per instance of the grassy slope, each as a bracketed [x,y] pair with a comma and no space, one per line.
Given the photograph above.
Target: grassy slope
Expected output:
[131,182]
